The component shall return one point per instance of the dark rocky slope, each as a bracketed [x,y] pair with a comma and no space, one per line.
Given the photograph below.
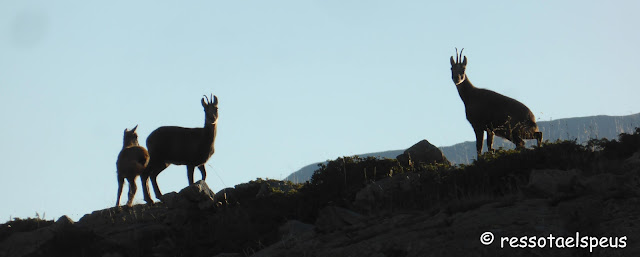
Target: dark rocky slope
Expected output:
[375,207]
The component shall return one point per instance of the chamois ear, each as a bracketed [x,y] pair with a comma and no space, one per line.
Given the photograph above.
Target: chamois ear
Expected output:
[464,62]
[215,100]
[204,104]
[452,61]
[134,128]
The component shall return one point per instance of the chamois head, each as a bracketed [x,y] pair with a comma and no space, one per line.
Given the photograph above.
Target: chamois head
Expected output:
[130,137]
[457,68]
[210,109]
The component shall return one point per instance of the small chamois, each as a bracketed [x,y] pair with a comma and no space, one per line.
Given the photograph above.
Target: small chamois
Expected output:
[181,146]
[132,161]
[492,112]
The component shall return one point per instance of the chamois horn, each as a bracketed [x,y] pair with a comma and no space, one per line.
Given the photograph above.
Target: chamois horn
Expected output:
[457,56]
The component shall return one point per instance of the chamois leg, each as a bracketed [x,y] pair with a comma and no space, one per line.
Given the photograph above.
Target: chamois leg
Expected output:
[538,136]
[120,184]
[479,139]
[144,180]
[132,190]
[154,182]
[519,142]
[190,170]
[490,135]
[152,172]
[203,172]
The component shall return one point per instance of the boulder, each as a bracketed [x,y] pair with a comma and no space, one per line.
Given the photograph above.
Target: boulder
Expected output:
[332,218]
[64,220]
[198,195]
[422,152]
[379,195]
[372,197]
[549,182]
[295,229]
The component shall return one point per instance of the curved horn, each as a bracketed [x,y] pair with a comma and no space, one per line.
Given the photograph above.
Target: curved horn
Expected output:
[461,54]
[205,96]
[457,56]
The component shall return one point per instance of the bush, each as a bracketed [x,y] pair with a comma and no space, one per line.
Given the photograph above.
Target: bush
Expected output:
[342,178]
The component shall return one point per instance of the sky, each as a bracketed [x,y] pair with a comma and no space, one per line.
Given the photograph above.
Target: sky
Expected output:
[298,82]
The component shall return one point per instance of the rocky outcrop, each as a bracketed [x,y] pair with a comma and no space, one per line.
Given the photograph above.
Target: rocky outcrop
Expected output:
[422,152]
[197,195]
[559,189]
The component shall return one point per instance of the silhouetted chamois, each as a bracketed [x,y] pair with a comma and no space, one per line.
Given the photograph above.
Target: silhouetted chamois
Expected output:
[132,161]
[181,146]
[492,112]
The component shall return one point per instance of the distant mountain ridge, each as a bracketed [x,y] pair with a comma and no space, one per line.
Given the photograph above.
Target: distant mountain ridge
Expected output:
[304,174]
[582,129]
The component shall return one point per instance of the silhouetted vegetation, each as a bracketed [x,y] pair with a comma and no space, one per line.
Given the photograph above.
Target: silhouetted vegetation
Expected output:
[22,225]
[339,180]
[249,217]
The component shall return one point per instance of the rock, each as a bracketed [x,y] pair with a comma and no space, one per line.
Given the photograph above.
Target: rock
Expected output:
[371,197]
[548,183]
[422,152]
[64,221]
[238,194]
[172,200]
[295,229]
[377,197]
[333,218]
[197,195]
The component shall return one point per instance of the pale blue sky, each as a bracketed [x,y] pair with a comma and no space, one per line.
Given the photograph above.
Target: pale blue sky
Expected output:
[298,81]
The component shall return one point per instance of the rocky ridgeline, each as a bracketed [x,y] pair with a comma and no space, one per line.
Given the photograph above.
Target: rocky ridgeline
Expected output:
[375,207]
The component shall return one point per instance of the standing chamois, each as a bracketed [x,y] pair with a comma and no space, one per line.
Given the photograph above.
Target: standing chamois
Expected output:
[181,146]
[492,112]
[132,161]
